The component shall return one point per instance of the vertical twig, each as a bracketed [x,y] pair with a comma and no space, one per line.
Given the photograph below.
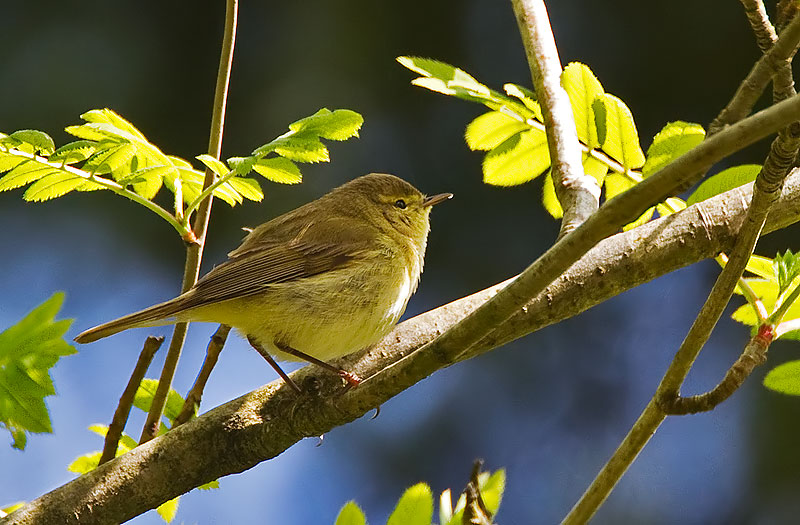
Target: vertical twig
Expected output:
[194,251]
[151,346]
[578,193]
[195,395]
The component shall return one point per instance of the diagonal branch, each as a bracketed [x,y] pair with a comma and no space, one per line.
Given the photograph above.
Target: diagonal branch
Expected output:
[578,193]
[263,423]
[762,72]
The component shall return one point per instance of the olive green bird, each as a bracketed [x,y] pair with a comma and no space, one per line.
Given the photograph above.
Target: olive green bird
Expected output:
[322,281]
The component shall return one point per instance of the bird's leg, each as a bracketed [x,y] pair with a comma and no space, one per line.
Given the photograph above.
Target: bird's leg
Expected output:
[351,378]
[260,349]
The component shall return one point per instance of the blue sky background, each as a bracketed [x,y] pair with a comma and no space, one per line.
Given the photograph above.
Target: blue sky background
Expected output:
[551,406]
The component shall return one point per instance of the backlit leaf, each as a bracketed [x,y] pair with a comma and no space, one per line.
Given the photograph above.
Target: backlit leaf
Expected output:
[518,159]
[414,508]
[675,139]
[278,169]
[621,141]
[583,88]
[784,378]
[723,181]
[489,130]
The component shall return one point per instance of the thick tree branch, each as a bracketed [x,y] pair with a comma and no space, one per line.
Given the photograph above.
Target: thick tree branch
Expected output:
[578,193]
[263,423]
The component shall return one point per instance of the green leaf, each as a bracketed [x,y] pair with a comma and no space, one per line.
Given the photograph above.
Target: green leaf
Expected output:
[52,186]
[213,164]
[107,116]
[414,508]
[492,488]
[25,173]
[351,514]
[333,125]
[247,188]
[9,161]
[583,88]
[210,485]
[168,509]
[110,160]
[489,130]
[443,78]
[527,97]
[674,139]
[723,181]
[11,508]
[40,140]
[28,350]
[242,165]
[143,399]
[279,170]
[784,378]
[518,159]
[622,140]
[672,205]
[761,266]
[549,198]
[73,152]
[787,269]
[85,463]
[301,148]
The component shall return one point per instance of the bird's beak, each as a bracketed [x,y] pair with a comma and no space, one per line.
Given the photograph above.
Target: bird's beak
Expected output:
[436,199]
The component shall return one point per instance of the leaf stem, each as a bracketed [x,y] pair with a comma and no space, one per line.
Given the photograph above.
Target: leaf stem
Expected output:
[207,191]
[112,185]
[194,251]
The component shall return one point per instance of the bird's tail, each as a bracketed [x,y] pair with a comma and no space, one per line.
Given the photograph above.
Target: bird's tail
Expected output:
[156,315]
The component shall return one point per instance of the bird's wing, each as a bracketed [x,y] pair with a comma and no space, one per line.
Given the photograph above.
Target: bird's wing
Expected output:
[315,249]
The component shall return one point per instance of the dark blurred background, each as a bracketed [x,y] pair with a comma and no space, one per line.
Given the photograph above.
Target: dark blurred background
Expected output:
[549,408]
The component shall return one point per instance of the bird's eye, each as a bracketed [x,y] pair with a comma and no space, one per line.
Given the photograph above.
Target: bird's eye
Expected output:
[400,203]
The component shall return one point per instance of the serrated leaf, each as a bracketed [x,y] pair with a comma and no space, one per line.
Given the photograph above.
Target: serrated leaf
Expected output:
[247,188]
[784,378]
[414,508]
[489,130]
[643,218]
[28,350]
[52,186]
[723,181]
[518,159]
[111,159]
[583,88]
[549,197]
[674,139]
[39,140]
[210,485]
[108,116]
[76,151]
[213,164]
[168,509]
[449,80]
[9,161]
[351,514]
[786,269]
[622,140]
[279,170]
[25,173]
[333,125]
[302,148]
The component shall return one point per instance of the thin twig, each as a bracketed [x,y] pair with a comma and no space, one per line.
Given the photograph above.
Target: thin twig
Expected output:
[578,193]
[151,346]
[194,252]
[754,354]
[759,76]
[195,395]
[783,81]
[767,188]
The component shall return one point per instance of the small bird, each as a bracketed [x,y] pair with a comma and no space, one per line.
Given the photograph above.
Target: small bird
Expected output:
[322,281]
